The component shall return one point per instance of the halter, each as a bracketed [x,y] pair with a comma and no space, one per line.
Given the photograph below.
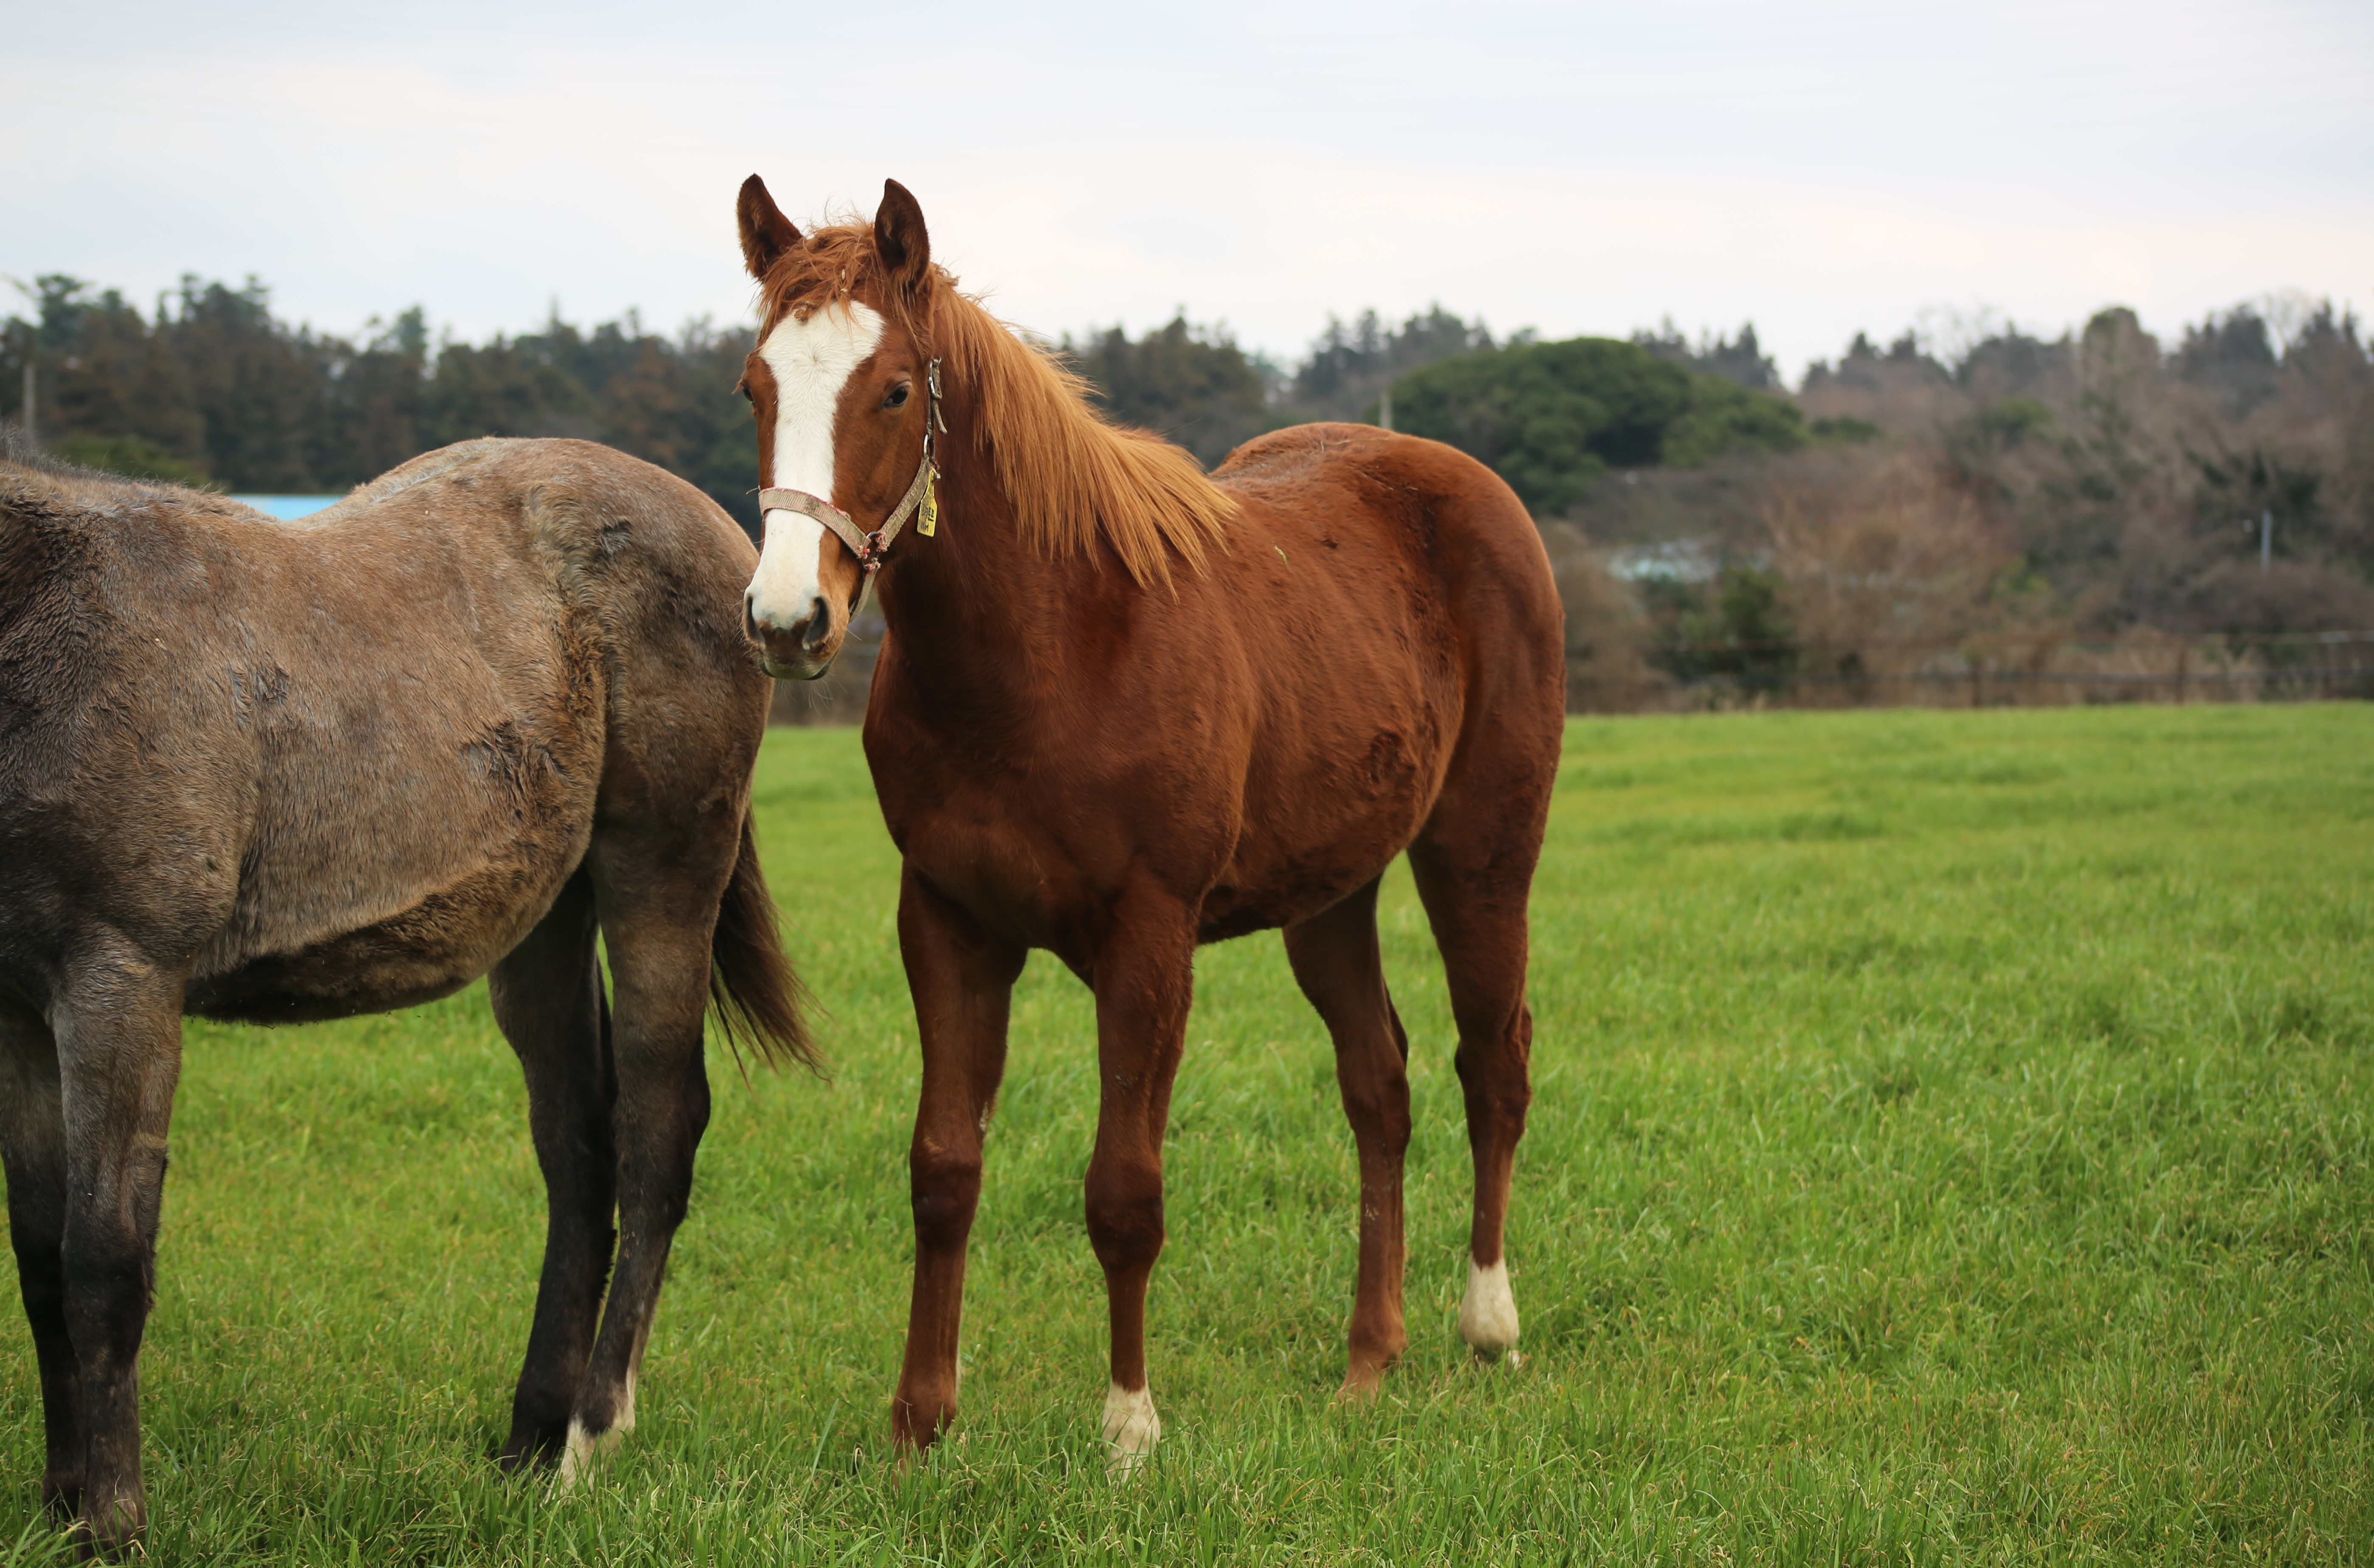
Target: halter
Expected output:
[922,497]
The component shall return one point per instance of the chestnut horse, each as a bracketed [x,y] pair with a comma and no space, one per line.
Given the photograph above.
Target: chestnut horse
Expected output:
[491,705]
[1124,709]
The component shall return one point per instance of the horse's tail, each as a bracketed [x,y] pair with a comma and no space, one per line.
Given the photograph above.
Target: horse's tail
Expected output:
[759,1001]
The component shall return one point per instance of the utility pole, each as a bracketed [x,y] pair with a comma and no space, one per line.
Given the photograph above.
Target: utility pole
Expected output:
[1385,407]
[2266,526]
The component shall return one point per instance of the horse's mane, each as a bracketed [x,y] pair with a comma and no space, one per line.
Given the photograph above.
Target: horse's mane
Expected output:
[44,505]
[1072,477]
[33,476]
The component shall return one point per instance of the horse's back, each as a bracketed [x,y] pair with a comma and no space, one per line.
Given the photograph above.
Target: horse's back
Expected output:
[345,764]
[1417,555]
[1456,522]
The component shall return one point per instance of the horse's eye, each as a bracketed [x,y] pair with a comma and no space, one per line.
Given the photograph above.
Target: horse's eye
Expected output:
[898,398]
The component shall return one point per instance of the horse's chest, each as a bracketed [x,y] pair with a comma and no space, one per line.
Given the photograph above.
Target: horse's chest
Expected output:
[1014,872]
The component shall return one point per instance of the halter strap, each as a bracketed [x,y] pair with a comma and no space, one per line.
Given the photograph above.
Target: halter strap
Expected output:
[870,548]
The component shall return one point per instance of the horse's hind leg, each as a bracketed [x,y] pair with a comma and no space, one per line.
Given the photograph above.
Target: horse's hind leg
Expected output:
[32,1137]
[658,918]
[1335,961]
[1474,865]
[547,997]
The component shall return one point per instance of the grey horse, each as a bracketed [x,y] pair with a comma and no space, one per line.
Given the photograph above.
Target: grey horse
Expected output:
[492,704]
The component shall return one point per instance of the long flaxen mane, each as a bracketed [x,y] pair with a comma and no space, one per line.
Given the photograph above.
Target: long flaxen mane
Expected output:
[1073,478]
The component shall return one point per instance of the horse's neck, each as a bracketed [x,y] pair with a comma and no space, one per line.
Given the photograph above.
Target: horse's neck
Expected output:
[974,611]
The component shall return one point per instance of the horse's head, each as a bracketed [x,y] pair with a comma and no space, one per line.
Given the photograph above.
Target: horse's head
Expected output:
[838,383]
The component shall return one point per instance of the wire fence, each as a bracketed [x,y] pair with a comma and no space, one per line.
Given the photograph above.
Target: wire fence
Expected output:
[1980,671]
[1990,670]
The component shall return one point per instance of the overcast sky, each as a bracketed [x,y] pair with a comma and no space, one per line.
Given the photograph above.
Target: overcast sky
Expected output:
[1814,168]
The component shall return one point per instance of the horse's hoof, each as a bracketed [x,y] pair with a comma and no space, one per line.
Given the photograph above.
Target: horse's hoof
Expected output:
[917,1423]
[1487,1312]
[1363,1381]
[528,1461]
[111,1532]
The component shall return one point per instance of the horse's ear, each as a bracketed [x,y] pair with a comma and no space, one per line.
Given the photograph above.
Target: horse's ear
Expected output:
[765,233]
[899,237]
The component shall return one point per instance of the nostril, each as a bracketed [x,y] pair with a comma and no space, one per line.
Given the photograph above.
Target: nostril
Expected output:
[820,626]
[750,617]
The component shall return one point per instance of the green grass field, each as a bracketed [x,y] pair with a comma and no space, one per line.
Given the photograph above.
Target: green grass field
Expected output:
[1950,1144]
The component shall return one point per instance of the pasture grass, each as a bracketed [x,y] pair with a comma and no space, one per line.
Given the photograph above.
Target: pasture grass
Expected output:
[1950,1145]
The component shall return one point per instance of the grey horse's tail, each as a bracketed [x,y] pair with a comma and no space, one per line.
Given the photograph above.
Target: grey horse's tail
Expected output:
[759,1001]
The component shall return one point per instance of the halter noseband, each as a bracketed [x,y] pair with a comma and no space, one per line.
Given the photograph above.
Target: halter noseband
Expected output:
[922,497]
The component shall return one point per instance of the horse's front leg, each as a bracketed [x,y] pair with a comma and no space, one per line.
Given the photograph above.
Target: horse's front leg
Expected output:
[1145,979]
[33,1141]
[962,978]
[547,997]
[118,1026]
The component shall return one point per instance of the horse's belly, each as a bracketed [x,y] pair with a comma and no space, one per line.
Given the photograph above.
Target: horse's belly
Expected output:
[404,911]
[278,989]
[1258,893]
[1309,856]
[433,948]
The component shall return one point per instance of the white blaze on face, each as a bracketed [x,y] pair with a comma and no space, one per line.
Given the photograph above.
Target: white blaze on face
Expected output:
[1487,1313]
[811,362]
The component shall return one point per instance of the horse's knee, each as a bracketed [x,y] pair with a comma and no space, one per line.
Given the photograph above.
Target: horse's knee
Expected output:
[944,1189]
[1124,1217]
[1497,1087]
[655,1186]
[110,1273]
[1379,1106]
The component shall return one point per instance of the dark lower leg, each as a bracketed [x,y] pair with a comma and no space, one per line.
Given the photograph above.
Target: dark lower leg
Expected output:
[656,1139]
[41,1273]
[548,997]
[656,922]
[120,1057]
[109,1280]
[32,1137]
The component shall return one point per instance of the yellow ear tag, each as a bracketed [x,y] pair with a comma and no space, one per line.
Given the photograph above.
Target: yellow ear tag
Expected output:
[927,517]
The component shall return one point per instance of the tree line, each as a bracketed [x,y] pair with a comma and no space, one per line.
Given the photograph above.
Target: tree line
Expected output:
[212,388]
[1988,488]
[1968,478]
